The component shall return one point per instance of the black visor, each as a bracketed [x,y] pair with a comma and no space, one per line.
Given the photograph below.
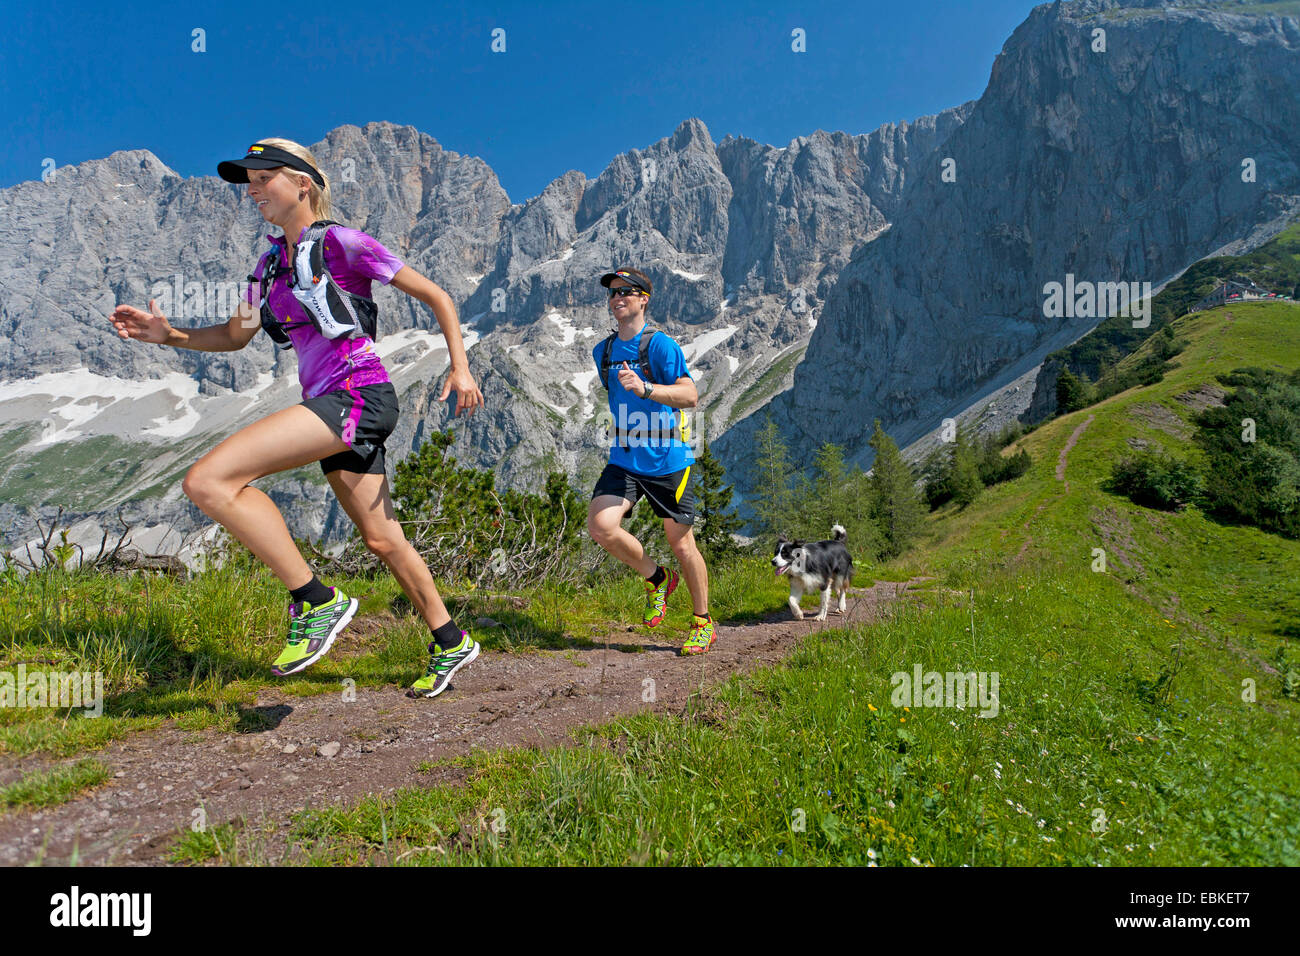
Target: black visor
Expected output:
[261,156]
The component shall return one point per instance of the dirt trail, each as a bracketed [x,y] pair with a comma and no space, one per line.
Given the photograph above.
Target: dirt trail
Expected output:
[503,700]
[1061,461]
[1065,451]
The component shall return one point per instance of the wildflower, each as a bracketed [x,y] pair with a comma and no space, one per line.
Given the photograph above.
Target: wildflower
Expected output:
[871,854]
[914,860]
[871,707]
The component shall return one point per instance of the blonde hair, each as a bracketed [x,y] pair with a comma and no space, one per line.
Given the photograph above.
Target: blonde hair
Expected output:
[319,197]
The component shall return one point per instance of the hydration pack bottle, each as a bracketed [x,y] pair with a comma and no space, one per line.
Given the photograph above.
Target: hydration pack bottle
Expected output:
[334,311]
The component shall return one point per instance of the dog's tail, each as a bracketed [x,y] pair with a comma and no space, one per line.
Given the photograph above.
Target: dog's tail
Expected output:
[838,532]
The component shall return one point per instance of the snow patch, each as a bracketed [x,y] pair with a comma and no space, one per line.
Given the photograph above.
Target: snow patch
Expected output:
[583,381]
[694,351]
[692,276]
[389,345]
[79,395]
[568,332]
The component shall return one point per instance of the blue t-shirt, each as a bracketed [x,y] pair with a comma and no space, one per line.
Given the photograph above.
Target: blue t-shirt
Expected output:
[657,453]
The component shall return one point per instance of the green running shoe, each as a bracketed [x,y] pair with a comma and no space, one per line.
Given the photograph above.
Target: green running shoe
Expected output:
[656,599]
[443,666]
[701,637]
[311,632]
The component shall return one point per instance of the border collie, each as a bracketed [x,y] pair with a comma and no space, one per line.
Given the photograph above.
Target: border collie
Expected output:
[815,566]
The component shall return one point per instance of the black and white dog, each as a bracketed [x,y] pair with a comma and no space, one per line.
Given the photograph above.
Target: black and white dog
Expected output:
[815,566]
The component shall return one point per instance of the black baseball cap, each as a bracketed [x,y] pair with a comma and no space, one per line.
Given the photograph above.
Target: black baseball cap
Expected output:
[263,156]
[631,276]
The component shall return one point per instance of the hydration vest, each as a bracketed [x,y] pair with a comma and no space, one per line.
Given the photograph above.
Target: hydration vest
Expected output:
[642,356]
[621,435]
[332,309]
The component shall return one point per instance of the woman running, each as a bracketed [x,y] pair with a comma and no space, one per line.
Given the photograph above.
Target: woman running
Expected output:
[314,295]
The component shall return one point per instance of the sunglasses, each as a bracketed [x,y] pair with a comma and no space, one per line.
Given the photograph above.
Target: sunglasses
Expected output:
[622,290]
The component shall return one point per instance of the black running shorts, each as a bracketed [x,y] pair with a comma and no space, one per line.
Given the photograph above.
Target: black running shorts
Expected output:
[671,496]
[364,418]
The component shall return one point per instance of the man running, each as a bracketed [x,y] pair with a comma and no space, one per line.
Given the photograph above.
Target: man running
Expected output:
[311,293]
[644,372]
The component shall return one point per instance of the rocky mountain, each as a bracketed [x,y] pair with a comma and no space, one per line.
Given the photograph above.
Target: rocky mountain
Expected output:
[1114,143]
[900,274]
[742,240]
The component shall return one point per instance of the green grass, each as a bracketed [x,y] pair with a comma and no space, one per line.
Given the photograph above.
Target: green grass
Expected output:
[197,654]
[80,473]
[766,385]
[49,788]
[201,846]
[1090,760]
[1140,722]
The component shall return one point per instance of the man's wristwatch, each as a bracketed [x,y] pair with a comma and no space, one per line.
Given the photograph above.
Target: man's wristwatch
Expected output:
[649,387]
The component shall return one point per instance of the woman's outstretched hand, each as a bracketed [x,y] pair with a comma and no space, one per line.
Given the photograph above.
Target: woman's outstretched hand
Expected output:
[133,323]
[468,397]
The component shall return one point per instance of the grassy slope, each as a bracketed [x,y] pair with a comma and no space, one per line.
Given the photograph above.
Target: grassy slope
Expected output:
[1122,736]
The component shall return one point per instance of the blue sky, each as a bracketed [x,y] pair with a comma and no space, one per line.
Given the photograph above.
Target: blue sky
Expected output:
[578,83]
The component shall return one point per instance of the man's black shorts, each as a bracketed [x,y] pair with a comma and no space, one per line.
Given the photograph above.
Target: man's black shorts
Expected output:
[364,418]
[671,496]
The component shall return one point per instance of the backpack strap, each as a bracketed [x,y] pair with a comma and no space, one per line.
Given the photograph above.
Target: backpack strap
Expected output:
[271,270]
[654,435]
[642,358]
[315,234]
[603,364]
[643,355]
[335,311]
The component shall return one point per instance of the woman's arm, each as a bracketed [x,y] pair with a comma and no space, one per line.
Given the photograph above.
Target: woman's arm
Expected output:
[153,327]
[468,396]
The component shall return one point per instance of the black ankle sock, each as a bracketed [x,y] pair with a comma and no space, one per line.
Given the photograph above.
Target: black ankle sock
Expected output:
[705,615]
[313,592]
[447,636]
[658,577]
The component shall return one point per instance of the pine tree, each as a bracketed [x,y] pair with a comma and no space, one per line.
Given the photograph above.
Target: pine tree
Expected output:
[713,533]
[965,478]
[1072,392]
[773,498]
[829,488]
[936,472]
[896,506]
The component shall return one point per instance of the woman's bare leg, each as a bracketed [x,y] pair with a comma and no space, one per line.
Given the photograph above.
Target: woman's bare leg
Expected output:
[367,501]
[219,484]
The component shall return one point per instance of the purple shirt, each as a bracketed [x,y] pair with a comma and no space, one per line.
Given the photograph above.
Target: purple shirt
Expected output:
[354,259]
